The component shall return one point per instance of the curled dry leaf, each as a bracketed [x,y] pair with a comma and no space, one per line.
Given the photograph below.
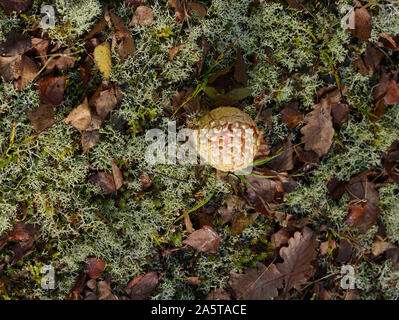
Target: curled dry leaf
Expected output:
[141,287]
[80,117]
[145,181]
[379,246]
[197,8]
[95,267]
[41,117]
[363,23]
[242,221]
[117,175]
[318,133]
[390,161]
[205,239]
[121,30]
[179,11]
[174,51]
[103,180]
[102,57]
[25,235]
[143,16]
[74,293]
[105,99]
[51,90]
[126,47]
[387,89]
[363,211]
[256,284]
[240,69]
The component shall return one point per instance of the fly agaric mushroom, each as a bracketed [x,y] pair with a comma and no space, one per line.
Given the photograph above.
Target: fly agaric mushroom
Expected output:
[227,139]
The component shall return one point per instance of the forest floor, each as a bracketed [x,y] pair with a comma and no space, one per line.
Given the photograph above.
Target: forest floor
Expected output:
[85,215]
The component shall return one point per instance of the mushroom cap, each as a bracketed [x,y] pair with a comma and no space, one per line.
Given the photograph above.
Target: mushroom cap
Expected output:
[227,139]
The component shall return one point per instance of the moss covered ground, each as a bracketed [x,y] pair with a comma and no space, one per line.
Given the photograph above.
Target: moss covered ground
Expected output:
[46,180]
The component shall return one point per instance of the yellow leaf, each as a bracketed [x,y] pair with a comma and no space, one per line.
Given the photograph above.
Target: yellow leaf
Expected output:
[102,56]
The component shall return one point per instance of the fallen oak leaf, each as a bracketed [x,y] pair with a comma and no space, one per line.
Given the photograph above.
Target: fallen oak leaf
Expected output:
[74,293]
[205,239]
[41,117]
[256,284]
[297,267]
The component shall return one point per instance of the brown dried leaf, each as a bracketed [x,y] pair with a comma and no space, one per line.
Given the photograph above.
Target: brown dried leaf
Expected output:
[174,51]
[103,180]
[145,181]
[51,90]
[26,235]
[89,140]
[104,290]
[179,11]
[117,175]
[363,23]
[295,4]
[379,246]
[387,41]
[143,16]
[80,117]
[198,8]
[318,133]
[325,246]
[105,99]
[345,251]
[205,239]
[74,293]
[15,5]
[390,161]
[364,211]
[141,287]
[283,153]
[290,115]
[64,62]
[387,89]
[256,284]
[240,69]
[95,267]
[281,237]
[15,43]
[126,47]
[41,117]
[28,72]
[218,294]
[297,267]
[340,112]
[121,30]
[242,221]
[10,67]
